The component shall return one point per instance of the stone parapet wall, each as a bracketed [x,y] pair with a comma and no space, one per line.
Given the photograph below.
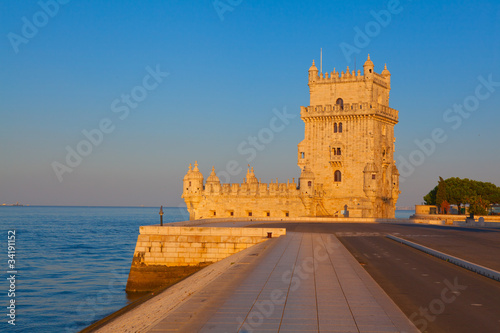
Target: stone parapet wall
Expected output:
[166,254]
[188,246]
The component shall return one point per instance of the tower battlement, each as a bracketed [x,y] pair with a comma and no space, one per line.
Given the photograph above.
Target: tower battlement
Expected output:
[349,77]
[349,86]
[346,158]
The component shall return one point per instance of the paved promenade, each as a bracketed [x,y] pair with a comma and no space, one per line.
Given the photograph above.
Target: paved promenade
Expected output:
[301,282]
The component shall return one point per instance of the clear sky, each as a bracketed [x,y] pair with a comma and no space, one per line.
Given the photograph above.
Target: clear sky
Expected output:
[160,84]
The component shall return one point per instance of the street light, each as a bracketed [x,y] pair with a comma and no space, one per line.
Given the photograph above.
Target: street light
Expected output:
[161,216]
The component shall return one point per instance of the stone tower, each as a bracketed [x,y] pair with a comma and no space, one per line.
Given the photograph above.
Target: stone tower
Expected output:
[346,158]
[349,142]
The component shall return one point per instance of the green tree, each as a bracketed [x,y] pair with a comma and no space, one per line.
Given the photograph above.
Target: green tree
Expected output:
[478,206]
[441,195]
[458,191]
[430,198]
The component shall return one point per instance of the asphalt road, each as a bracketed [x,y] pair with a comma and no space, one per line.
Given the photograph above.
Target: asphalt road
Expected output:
[437,296]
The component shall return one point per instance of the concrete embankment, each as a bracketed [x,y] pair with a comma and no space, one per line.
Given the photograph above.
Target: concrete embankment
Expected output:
[164,254]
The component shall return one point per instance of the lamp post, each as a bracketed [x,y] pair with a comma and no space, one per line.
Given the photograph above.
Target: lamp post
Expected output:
[161,216]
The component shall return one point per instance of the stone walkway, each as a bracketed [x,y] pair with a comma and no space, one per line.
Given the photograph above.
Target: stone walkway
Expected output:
[304,282]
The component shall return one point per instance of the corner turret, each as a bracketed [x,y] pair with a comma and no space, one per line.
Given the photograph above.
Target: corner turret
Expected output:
[386,72]
[313,73]
[187,181]
[387,76]
[213,183]
[193,189]
[368,68]
[306,181]
[193,181]
[370,185]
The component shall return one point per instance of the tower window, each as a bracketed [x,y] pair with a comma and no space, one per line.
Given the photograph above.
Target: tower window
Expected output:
[189,183]
[249,213]
[338,176]
[370,70]
[335,128]
[340,102]
[309,183]
[338,151]
[373,176]
[340,127]
[302,155]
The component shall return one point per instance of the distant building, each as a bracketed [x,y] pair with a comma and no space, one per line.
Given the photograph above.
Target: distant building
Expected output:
[346,158]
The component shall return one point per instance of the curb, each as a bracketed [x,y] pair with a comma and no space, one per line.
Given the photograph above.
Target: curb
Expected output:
[485,271]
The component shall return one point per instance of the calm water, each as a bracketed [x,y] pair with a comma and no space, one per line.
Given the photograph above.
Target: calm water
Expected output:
[404,214]
[72,262]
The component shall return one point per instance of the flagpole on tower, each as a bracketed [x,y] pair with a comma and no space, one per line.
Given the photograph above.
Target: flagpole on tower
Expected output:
[321,61]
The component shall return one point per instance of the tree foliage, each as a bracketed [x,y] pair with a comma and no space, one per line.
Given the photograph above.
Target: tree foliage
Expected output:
[430,198]
[478,205]
[441,194]
[478,195]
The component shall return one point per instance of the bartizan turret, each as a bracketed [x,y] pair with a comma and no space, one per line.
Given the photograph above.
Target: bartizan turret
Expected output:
[193,190]
[212,185]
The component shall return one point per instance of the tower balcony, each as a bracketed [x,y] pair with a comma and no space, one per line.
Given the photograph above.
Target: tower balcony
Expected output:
[336,160]
[349,110]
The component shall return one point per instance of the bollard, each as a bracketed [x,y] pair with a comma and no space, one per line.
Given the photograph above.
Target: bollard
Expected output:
[161,216]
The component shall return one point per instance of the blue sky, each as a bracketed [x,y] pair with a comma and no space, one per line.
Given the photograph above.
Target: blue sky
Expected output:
[229,66]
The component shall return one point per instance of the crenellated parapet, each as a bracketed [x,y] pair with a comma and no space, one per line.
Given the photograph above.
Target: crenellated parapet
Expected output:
[250,186]
[350,76]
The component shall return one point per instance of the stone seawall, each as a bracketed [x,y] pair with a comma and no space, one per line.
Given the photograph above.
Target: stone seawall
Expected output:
[165,254]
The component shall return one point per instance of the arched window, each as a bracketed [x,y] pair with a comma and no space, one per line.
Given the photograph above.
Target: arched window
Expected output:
[338,176]
[340,127]
[340,102]
[338,151]
[335,128]
[309,183]
[334,150]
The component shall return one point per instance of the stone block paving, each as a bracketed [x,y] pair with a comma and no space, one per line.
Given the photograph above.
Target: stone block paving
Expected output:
[306,282]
